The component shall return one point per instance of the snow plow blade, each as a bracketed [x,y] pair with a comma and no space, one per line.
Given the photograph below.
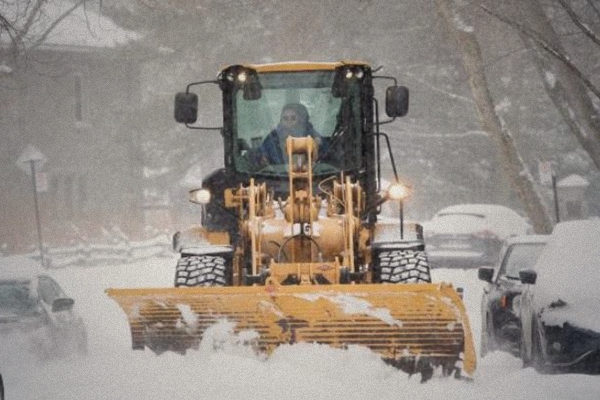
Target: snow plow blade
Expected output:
[412,326]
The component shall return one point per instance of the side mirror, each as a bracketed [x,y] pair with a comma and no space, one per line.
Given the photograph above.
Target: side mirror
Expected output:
[186,108]
[528,276]
[62,304]
[396,101]
[486,274]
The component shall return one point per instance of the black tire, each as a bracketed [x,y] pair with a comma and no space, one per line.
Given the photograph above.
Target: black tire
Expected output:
[204,270]
[403,266]
[523,355]
[537,357]
[487,341]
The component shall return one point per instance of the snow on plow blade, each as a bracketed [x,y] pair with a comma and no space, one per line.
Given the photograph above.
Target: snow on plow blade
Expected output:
[411,326]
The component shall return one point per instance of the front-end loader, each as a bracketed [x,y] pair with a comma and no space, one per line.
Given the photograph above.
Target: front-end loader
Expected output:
[297,251]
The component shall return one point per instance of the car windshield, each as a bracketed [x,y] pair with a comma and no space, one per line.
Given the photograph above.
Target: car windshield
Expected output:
[15,299]
[522,256]
[310,94]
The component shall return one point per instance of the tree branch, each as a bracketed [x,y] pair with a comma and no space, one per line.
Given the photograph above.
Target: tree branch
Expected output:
[547,47]
[56,22]
[15,38]
[577,21]
[594,6]
[31,18]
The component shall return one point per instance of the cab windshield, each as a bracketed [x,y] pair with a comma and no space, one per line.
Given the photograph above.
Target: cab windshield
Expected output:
[259,126]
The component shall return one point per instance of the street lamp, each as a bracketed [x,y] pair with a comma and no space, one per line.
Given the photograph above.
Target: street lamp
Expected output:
[399,191]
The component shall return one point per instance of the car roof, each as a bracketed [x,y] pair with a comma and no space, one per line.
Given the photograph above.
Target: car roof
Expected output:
[293,66]
[484,209]
[21,269]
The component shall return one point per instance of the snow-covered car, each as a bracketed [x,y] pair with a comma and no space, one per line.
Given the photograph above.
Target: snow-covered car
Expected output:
[470,235]
[500,324]
[559,304]
[35,309]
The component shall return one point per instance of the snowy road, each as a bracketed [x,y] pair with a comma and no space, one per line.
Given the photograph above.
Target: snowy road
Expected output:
[113,371]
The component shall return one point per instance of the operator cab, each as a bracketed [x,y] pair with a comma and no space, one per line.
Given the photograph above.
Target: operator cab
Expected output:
[341,113]
[334,122]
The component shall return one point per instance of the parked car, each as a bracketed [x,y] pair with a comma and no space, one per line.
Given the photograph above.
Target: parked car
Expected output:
[470,235]
[560,302]
[500,324]
[36,310]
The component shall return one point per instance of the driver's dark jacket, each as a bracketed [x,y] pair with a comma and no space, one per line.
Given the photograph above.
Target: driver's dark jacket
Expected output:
[271,150]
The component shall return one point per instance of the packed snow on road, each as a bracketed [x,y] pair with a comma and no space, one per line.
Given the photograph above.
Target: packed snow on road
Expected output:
[223,369]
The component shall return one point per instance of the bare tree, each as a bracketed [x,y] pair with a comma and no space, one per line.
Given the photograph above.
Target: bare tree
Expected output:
[569,87]
[25,25]
[513,166]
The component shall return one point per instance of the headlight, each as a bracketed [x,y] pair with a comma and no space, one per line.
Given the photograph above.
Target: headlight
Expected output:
[199,196]
[398,191]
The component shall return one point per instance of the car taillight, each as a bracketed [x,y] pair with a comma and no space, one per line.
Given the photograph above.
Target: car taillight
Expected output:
[485,234]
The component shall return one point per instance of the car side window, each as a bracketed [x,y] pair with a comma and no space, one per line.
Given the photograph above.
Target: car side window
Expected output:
[49,290]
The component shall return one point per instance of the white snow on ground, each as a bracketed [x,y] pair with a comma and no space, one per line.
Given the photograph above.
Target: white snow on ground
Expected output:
[231,371]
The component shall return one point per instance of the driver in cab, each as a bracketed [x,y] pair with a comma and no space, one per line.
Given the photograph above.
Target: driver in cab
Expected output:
[294,121]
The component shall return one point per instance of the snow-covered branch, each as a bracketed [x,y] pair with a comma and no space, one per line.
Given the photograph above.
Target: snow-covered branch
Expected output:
[555,52]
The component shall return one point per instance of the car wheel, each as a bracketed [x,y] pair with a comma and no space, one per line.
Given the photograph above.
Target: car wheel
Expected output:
[487,341]
[523,354]
[537,356]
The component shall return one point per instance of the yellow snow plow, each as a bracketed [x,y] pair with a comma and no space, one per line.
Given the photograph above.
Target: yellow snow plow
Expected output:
[291,246]
[411,326]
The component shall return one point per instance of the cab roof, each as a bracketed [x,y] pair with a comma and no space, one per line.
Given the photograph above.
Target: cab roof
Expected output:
[292,66]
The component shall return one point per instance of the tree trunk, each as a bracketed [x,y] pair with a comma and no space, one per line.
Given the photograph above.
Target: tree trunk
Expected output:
[514,169]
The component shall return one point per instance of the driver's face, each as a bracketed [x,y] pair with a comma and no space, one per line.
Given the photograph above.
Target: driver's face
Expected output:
[289,119]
